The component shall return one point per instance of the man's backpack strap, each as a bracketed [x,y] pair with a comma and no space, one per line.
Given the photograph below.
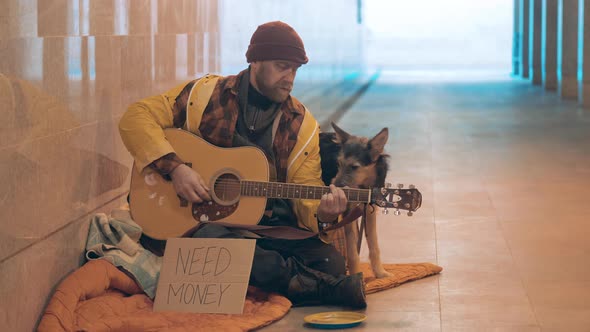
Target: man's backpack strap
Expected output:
[198,100]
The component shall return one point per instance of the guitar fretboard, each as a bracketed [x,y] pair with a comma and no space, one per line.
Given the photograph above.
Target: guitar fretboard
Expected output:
[289,190]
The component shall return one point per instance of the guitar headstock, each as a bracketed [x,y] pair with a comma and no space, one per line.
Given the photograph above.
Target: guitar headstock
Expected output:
[399,198]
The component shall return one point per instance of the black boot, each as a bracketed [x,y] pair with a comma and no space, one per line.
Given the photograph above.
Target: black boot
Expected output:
[311,287]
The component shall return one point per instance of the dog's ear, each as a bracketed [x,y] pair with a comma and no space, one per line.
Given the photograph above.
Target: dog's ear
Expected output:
[377,143]
[341,135]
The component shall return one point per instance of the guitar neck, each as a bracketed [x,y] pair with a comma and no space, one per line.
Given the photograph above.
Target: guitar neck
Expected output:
[298,191]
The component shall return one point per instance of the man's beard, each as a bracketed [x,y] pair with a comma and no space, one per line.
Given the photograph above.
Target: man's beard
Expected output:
[279,92]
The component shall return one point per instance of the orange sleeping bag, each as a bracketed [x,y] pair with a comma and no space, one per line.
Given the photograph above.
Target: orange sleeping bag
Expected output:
[100,297]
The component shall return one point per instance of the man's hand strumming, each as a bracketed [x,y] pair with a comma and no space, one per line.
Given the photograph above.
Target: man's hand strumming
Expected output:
[189,184]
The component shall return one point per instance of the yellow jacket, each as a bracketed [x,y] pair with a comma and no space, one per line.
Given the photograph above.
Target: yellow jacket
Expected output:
[141,131]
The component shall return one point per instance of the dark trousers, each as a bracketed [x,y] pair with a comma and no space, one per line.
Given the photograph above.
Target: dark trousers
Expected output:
[276,261]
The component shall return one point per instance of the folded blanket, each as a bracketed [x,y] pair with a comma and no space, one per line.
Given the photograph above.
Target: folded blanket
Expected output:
[400,273]
[115,238]
[99,297]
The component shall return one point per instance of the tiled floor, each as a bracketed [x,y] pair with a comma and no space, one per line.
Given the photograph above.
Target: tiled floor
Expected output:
[504,169]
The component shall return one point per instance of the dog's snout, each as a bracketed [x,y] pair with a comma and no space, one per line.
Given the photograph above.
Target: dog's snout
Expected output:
[339,184]
[340,181]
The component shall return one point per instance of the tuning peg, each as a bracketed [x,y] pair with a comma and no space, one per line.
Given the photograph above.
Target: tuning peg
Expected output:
[388,185]
[400,185]
[396,212]
[385,211]
[412,186]
[410,214]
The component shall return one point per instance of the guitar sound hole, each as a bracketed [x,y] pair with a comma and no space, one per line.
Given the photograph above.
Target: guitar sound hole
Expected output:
[227,189]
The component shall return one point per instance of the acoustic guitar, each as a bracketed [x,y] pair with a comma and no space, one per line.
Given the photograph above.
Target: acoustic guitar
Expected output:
[239,187]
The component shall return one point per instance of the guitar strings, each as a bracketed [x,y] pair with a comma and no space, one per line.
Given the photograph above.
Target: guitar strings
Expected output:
[322,190]
[238,183]
[233,187]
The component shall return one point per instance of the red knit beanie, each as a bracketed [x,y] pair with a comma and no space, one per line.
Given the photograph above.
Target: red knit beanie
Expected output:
[276,41]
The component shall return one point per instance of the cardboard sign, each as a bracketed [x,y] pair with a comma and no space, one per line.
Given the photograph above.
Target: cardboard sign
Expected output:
[205,275]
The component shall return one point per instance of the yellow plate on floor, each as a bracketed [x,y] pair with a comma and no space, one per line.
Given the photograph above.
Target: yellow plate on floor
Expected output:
[335,319]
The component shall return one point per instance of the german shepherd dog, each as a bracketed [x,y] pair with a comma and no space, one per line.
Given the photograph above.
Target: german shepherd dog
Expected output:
[356,162]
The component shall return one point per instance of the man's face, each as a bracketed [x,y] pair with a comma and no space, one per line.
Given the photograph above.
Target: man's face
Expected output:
[274,78]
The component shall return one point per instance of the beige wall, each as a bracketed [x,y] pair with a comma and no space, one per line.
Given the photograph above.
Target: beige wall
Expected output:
[68,69]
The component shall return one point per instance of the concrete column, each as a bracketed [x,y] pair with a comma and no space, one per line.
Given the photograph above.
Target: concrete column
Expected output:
[524,37]
[535,48]
[568,61]
[585,96]
[516,40]
[549,47]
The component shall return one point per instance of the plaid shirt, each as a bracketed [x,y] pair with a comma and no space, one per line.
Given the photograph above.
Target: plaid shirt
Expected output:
[218,123]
